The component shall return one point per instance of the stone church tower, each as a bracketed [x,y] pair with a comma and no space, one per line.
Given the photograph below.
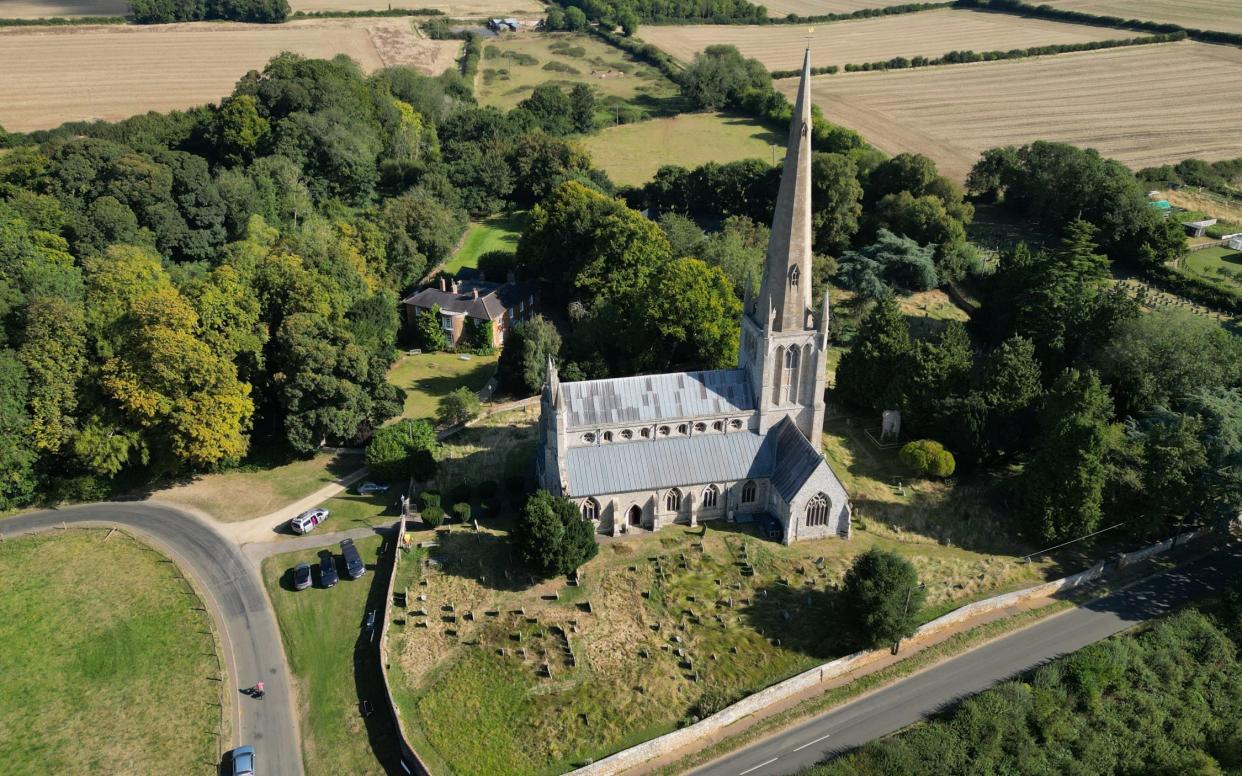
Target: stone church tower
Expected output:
[784,338]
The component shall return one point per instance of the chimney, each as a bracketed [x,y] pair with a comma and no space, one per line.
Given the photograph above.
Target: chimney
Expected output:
[443,284]
[474,293]
[456,287]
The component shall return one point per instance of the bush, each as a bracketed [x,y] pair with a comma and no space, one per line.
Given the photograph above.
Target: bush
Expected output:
[928,458]
[430,498]
[404,449]
[551,535]
[433,516]
[462,511]
[561,67]
[882,594]
[460,406]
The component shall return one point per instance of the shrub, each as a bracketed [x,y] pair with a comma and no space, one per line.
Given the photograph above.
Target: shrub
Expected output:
[928,458]
[433,516]
[551,535]
[402,450]
[430,498]
[462,511]
[561,67]
[459,406]
[882,595]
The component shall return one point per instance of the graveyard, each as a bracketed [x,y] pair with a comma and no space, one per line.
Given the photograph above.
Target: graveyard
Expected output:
[494,671]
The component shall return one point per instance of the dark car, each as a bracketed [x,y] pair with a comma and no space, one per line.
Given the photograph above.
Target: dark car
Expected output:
[243,761]
[354,567]
[327,570]
[301,576]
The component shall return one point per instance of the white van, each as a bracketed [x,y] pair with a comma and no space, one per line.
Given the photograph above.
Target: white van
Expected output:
[307,521]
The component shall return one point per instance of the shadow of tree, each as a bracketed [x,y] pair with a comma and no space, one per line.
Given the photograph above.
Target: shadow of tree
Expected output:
[484,557]
[807,620]
[442,384]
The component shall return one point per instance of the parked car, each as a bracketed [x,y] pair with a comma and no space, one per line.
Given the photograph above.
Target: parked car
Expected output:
[354,567]
[327,570]
[301,576]
[369,624]
[367,488]
[243,761]
[306,522]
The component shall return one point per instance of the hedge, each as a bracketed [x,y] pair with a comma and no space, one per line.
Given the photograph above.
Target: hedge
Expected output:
[1058,14]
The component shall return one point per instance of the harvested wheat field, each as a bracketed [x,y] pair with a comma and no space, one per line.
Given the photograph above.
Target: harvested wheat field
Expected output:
[58,74]
[929,33]
[47,9]
[1220,15]
[781,8]
[1133,104]
[454,8]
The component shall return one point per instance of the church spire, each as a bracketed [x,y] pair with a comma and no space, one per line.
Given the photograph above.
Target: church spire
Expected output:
[786,286]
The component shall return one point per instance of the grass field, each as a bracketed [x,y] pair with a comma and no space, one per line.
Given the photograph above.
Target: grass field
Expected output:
[1130,104]
[59,74]
[631,153]
[779,8]
[612,74]
[498,233]
[454,8]
[1222,266]
[44,9]
[97,634]
[428,377]
[333,668]
[259,488]
[650,596]
[1221,15]
[930,33]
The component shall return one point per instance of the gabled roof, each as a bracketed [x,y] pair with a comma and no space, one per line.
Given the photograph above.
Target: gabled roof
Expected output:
[493,299]
[667,463]
[655,398]
[794,458]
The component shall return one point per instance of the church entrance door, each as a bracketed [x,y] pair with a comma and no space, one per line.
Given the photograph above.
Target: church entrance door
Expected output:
[635,515]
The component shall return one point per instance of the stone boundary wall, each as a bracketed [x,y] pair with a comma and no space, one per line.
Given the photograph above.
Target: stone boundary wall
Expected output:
[410,760]
[685,737]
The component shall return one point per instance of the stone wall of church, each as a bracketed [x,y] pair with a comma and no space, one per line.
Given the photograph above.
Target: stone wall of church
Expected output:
[794,515]
[613,513]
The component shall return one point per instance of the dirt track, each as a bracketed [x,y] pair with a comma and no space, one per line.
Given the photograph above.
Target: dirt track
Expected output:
[1134,104]
[58,74]
[928,33]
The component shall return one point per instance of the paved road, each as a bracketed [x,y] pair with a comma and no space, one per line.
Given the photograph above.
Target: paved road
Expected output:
[239,604]
[909,700]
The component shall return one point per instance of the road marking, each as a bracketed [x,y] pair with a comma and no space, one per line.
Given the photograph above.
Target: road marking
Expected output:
[757,767]
[808,743]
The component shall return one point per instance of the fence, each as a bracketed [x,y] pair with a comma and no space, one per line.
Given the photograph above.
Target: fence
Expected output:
[782,691]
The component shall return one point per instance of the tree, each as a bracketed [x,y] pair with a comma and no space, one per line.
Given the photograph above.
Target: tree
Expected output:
[403,449]
[869,374]
[17,458]
[719,75]
[836,201]
[552,108]
[1010,386]
[552,536]
[693,318]
[1062,487]
[582,108]
[524,359]
[627,20]
[242,130]
[883,596]
[928,458]
[428,333]
[890,261]
[575,19]
[923,219]
[458,406]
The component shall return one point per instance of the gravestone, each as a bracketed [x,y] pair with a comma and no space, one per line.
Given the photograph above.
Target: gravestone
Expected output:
[890,426]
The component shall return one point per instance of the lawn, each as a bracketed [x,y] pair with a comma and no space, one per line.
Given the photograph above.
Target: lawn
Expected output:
[631,153]
[260,487]
[514,64]
[334,668]
[673,620]
[97,634]
[428,377]
[1221,266]
[498,233]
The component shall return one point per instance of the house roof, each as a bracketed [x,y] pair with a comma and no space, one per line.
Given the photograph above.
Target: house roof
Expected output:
[493,299]
[653,398]
[666,463]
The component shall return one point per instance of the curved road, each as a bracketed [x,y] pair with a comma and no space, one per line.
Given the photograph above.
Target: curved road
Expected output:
[911,699]
[234,593]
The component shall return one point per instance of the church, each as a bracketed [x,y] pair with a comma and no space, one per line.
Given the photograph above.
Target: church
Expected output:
[641,453]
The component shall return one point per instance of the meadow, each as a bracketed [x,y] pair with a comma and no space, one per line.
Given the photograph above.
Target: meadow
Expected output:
[1220,15]
[1129,103]
[427,377]
[1221,266]
[928,33]
[514,64]
[97,631]
[496,233]
[59,74]
[631,153]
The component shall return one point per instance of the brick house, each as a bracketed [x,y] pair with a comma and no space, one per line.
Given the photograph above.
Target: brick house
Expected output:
[471,299]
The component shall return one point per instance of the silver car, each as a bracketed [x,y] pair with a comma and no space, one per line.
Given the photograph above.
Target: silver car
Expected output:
[306,522]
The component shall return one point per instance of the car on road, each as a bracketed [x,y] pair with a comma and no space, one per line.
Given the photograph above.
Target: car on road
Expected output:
[369,624]
[354,567]
[301,576]
[243,761]
[367,488]
[306,522]
[327,570]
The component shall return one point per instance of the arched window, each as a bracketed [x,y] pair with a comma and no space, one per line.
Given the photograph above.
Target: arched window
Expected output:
[627,434]
[646,433]
[748,492]
[672,502]
[718,426]
[789,380]
[817,510]
[710,494]
[683,428]
[607,436]
[779,375]
[590,509]
[794,273]
[808,376]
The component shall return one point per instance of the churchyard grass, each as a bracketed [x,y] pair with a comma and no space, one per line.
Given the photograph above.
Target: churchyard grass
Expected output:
[631,153]
[97,631]
[649,596]
[332,667]
[260,486]
[1220,266]
[497,233]
[428,377]
[514,64]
